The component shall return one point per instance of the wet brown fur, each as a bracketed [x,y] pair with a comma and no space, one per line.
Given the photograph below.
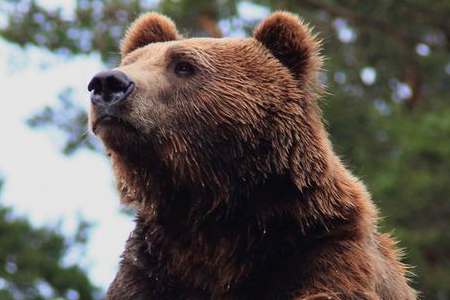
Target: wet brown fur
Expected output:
[238,191]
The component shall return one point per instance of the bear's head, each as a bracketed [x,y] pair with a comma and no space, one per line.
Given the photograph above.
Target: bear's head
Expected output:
[211,116]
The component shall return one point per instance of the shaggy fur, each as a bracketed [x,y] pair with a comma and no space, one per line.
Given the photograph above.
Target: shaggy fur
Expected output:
[238,191]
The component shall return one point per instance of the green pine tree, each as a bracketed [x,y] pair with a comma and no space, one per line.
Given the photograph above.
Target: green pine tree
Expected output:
[32,265]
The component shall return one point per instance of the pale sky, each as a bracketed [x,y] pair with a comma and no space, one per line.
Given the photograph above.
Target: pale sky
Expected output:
[41,183]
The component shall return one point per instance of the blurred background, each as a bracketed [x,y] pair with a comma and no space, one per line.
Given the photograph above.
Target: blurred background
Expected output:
[387,109]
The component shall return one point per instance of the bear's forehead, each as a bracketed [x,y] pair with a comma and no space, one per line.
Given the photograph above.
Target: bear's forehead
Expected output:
[192,46]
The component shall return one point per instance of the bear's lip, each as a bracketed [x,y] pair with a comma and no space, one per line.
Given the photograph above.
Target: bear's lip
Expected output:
[109,120]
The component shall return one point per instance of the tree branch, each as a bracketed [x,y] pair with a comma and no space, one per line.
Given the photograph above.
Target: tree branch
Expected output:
[364,20]
[413,79]
[411,70]
[446,30]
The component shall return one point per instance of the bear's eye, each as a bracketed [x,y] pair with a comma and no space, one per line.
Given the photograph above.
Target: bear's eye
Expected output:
[184,69]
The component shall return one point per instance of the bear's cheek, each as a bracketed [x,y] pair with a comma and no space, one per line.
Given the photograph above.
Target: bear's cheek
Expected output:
[147,111]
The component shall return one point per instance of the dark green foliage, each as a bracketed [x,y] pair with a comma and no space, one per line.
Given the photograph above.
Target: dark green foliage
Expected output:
[32,265]
[388,75]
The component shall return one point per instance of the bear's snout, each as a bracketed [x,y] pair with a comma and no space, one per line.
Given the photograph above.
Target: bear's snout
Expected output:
[109,88]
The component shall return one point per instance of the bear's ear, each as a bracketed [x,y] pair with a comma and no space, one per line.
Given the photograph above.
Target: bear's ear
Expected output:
[292,43]
[149,28]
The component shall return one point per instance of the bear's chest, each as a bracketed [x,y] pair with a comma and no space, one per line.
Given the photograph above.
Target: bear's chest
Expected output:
[136,284]
[235,274]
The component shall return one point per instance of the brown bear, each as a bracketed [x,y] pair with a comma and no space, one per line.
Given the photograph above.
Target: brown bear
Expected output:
[219,146]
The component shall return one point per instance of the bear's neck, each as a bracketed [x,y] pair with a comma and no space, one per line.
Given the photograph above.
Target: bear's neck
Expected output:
[214,243]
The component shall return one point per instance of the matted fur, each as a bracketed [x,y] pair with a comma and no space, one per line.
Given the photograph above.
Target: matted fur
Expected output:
[238,191]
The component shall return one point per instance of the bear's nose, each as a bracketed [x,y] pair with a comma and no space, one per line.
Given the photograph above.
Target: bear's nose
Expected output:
[110,87]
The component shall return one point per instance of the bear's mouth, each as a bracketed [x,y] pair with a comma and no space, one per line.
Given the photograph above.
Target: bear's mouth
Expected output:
[118,134]
[111,121]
